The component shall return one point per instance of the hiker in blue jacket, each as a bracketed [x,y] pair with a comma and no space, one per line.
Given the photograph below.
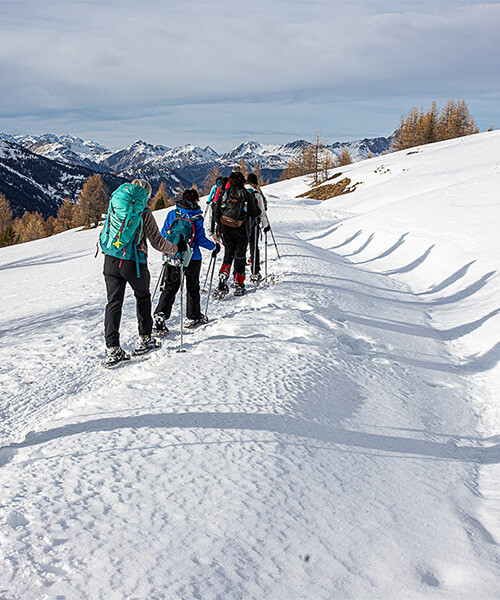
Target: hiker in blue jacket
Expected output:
[188,206]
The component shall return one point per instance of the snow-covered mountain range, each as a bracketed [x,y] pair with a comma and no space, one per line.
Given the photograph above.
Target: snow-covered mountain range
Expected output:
[273,157]
[189,163]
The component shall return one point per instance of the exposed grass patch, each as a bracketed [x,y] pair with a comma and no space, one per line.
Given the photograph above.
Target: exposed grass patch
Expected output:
[329,179]
[325,192]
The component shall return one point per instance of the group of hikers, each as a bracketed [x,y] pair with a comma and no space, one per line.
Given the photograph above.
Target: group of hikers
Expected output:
[235,215]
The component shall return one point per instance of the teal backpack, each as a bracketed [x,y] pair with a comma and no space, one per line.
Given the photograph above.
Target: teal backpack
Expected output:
[123,220]
[181,226]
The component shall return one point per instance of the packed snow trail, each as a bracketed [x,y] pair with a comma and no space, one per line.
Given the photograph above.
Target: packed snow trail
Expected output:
[296,450]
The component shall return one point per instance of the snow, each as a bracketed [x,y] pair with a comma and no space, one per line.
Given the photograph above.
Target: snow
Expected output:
[334,435]
[182,156]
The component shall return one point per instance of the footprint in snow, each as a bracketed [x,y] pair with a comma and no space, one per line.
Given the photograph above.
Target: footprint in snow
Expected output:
[15,519]
[356,346]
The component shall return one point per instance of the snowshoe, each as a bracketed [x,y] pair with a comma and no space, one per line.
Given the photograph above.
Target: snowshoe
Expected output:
[160,325]
[222,289]
[146,344]
[194,323]
[114,356]
[240,289]
[256,279]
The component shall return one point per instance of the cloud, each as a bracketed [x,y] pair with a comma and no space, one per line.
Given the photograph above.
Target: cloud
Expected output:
[120,61]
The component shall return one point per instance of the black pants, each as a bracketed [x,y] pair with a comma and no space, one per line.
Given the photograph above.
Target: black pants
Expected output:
[254,248]
[235,246]
[116,280]
[170,285]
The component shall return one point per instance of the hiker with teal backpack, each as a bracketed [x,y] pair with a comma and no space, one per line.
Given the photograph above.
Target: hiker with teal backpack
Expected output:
[129,223]
[185,220]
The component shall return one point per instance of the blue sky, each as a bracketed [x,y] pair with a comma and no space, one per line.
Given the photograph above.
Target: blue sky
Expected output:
[221,72]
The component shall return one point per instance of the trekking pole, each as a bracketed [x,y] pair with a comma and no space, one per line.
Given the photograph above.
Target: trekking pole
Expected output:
[265,250]
[254,258]
[210,287]
[212,258]
[275,245]
[158,282]
[181,349]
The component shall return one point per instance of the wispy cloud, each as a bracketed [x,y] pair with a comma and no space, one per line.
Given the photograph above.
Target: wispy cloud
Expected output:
[264,67]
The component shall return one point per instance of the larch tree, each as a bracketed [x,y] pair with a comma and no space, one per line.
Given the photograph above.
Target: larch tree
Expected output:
[258,173]
[344,158]
[160,199]
[7,233]
[5,213]
[65,216]
[418,128]
[326,164]
[31,226]
[92,202]
[456,120]
[319,146]
[243,167]
[210,179]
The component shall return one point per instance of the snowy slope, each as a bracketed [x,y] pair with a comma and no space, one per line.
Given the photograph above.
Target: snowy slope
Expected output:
[429,217]
[320,438]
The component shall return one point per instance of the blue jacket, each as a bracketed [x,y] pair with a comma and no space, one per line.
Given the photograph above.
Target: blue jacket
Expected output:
[199,236]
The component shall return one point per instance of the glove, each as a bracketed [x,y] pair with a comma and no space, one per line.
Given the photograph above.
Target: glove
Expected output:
[181,245]
[268,228]
[216,250]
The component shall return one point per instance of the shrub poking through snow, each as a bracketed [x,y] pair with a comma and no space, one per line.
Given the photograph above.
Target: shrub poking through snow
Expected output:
[330,190]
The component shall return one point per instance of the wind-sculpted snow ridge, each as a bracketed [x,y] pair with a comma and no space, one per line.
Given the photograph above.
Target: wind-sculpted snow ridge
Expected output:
[316,440]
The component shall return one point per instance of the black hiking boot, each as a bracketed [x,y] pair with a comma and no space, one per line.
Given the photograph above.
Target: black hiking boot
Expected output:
[114,356]
[193,323]
[160,325]
[146,344]
[240,290]
[222,289]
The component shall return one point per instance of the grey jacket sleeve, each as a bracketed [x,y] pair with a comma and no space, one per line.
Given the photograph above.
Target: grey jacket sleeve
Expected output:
[153,234]
[263,215]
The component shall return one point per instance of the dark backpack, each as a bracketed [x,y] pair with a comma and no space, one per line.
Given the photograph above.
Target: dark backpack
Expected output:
[233,207]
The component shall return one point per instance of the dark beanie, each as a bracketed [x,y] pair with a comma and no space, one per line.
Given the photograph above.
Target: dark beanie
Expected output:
[191,195]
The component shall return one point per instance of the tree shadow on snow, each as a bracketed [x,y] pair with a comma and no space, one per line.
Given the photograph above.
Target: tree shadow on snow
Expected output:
[413,265]
[390,250]
[45,259]
[281,425]
[420,330]
[449,280]
[51,319]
